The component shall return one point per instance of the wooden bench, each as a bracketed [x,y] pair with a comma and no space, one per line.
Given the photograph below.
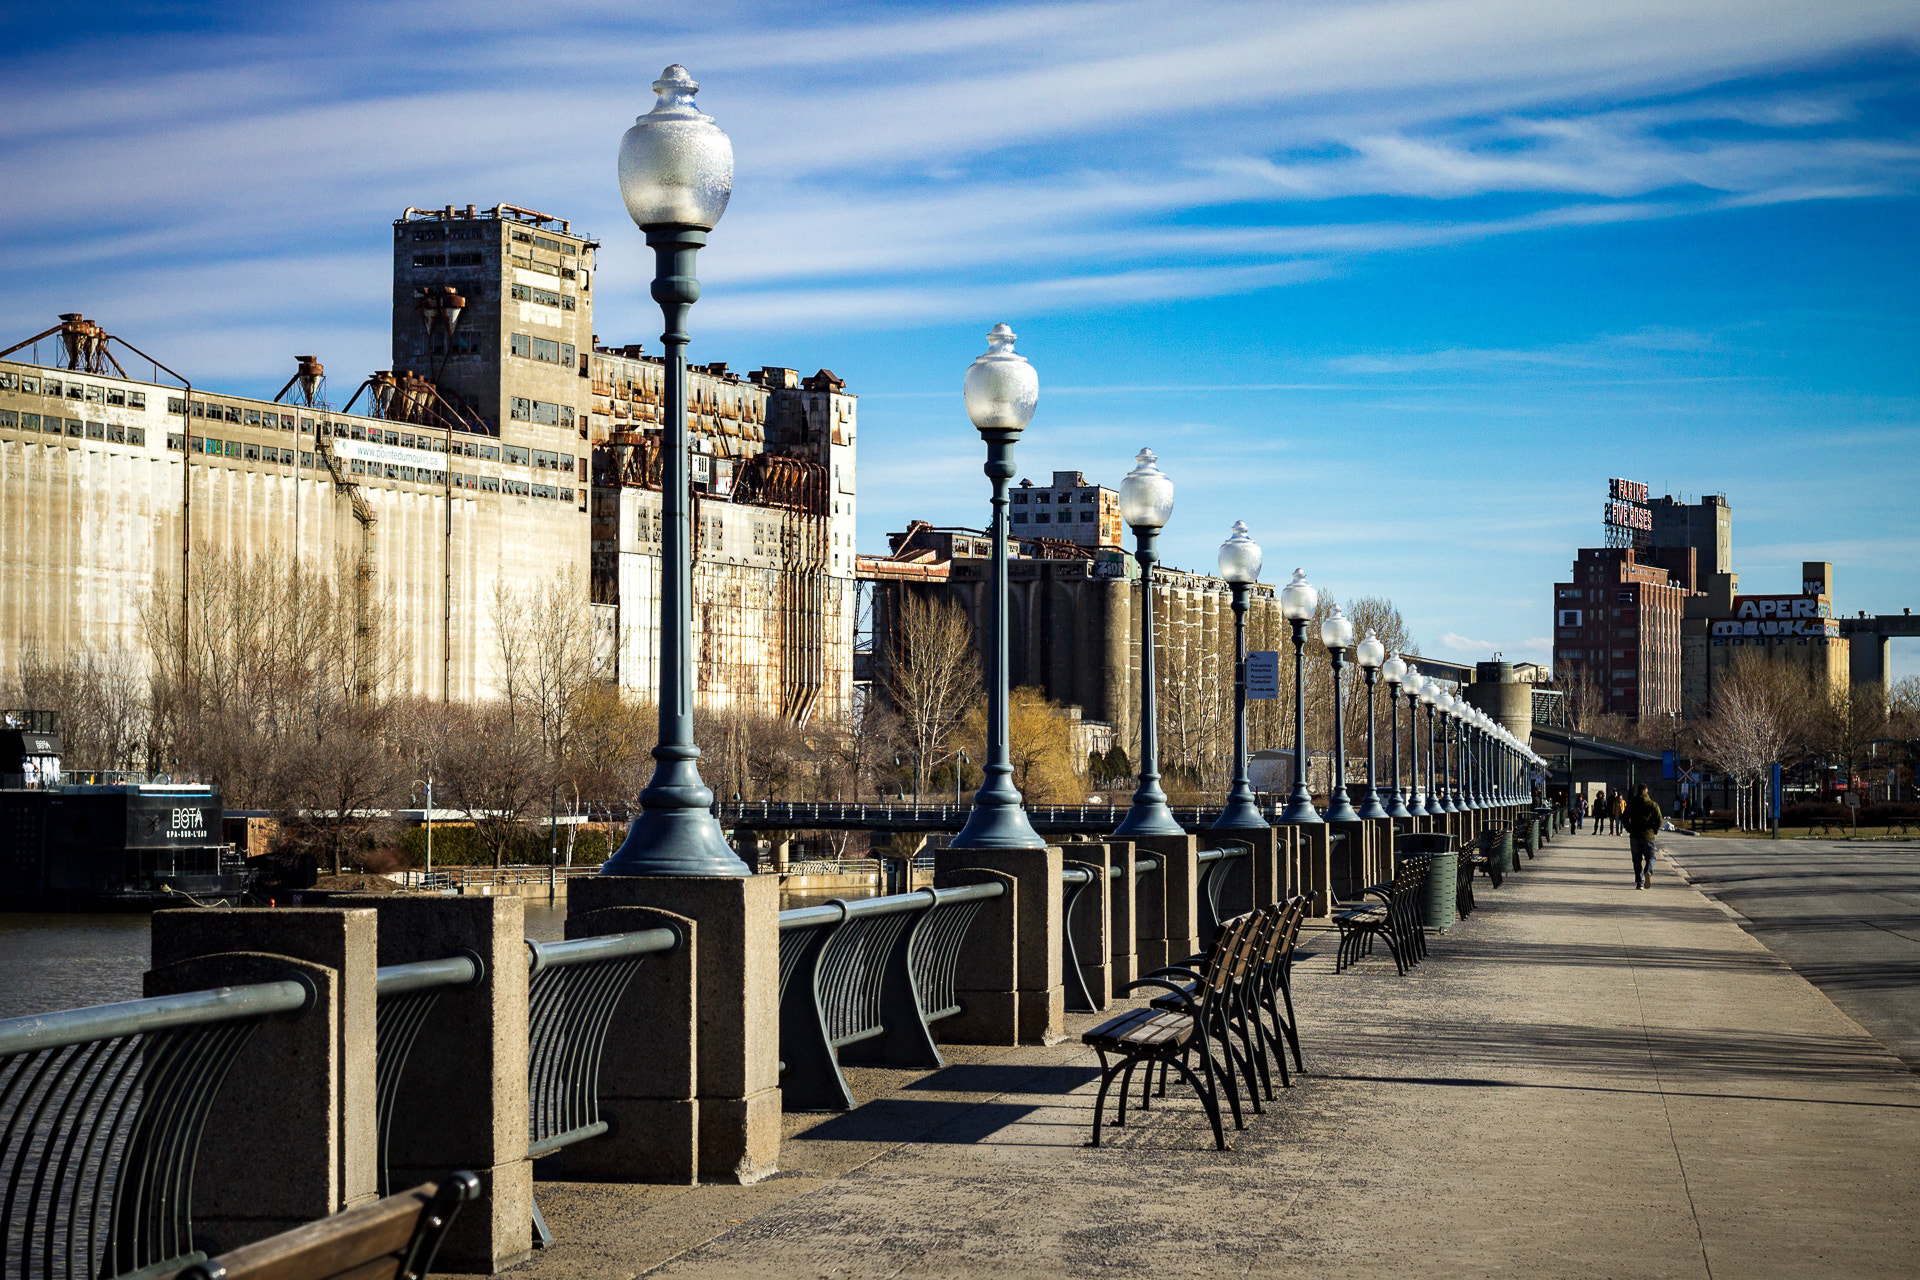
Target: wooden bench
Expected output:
[391,1239]
[1717,820]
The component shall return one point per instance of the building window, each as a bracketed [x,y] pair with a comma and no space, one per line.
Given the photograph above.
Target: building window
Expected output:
[1019,517]
[520,344]
[1086,517]
[1019,499]
[1041,517]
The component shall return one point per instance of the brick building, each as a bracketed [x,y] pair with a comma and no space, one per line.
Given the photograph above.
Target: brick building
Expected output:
[1619,619]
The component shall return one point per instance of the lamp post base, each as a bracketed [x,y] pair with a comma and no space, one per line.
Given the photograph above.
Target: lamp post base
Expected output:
[1148,818]
[1300,810]
[1342,810]
[1241,814]
[1372,808]
[675,842]
[998,827]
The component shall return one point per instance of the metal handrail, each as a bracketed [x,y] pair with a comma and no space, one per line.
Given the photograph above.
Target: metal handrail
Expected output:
[101,1116]
[843,909]
[36,1031]
[422,975]
[573,990]
[612,946]
[404,995]
[867,977]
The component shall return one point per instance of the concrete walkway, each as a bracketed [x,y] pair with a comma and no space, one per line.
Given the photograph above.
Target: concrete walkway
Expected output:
[1584,1080]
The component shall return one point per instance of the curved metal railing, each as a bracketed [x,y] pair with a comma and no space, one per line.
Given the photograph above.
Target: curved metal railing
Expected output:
[404,996]
[573,990]
[869,977]
[101,1115]
[1226,877]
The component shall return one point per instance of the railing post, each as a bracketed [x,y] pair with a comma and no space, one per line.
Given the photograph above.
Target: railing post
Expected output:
[292,1135]
[1009,980]
[1122,915]
[1316,867]
[1177,934]
[649,1069]
[737,990]
[462,1100]
[1267,869]
[1091,920]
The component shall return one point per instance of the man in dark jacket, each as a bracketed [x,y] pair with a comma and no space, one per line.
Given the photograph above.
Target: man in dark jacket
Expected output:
[1642,821]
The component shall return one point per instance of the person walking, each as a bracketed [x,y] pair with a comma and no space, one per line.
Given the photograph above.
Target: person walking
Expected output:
[1642,819]
[1620,812]
[1577,810]
[1602,806]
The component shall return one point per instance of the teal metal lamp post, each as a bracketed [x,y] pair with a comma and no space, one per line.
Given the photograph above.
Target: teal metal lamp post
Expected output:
[1336,633]
[1240,567]
[1371,655]
[676,174]
[1416,784]
[1001,392]
[1146,502]
[1298,600]
[1394,672]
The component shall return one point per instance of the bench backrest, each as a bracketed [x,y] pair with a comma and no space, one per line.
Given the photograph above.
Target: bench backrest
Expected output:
[391,1239]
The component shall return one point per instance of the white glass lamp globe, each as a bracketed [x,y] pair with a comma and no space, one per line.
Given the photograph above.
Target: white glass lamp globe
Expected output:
[1336,632]
[1298,599]
[1240,557]
[676,165]
[1001,388]
[1371,655]
[1146,495]
[1394,669]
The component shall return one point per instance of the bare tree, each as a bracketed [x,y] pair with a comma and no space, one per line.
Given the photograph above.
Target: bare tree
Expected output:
[1748,726]
[494,773]
[933,676]
[101,700]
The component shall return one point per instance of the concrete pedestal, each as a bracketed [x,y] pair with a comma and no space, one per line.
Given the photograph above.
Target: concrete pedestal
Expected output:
[1091,919]
[1123,902]
[1170,897]
[736,994]
[1009,979]
[291,1136]
[462,1103]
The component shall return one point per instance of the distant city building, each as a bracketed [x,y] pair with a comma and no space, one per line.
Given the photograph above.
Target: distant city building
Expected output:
[1797,627]
[503,449]
[1618,619]
[1069,509]
[1072,621]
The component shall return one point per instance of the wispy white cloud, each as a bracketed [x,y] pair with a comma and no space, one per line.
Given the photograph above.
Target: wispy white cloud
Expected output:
[900,169]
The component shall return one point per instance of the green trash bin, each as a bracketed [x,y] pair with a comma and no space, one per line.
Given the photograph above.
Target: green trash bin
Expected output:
[1438,901]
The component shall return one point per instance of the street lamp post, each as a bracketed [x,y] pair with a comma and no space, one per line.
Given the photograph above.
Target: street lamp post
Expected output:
[1371,655]
[1239,563]
[1456,799]
[1430,696]
[676,174]
[1394,672]
[1001,391]
[1336,633]
[1298,600]
[1146,500]
[1416,780]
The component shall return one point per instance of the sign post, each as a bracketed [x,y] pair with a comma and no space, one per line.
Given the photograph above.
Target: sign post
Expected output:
[1774,778]
[1263,675]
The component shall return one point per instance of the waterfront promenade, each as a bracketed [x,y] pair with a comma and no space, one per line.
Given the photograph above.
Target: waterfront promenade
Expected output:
[1584,1080]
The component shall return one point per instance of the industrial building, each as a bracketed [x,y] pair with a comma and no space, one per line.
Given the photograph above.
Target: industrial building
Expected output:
[1073,621]
[504,450]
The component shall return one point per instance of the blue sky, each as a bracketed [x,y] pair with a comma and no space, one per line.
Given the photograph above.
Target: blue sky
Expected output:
[1400,284]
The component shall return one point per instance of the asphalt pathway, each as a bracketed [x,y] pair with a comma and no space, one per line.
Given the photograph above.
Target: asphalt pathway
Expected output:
[1845,915]
[1584,1080]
